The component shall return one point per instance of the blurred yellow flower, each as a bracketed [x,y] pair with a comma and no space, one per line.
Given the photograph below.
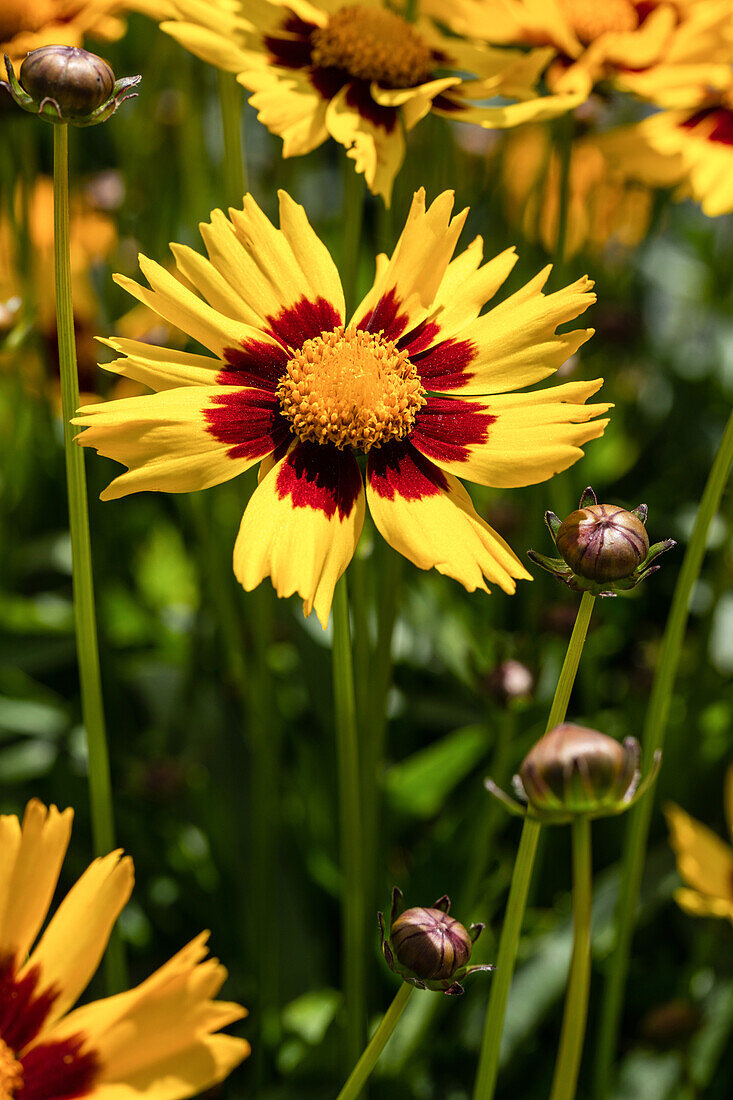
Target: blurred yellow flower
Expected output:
[704,861]
[417,381]
[666,51]
[157,1040]
[27,24]
[359,73]
[689,150]
[604,209]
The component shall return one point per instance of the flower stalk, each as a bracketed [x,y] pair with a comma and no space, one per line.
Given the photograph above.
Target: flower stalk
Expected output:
[235,165]
[655,726]
[350,827]
[85,619]
[488,1067]
[363,1068]
[575,1015]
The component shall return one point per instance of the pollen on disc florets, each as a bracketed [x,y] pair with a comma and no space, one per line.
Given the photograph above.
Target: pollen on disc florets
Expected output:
[590,18]
[352,389]
[11,1073]
[373,44]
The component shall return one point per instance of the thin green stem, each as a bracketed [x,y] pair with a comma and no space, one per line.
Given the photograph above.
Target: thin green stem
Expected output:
[488,1067]
[85,619]
[377,1043]
[354,195]
[235,167]
[351,827]
[565,131]
[567,1066]
[655,727]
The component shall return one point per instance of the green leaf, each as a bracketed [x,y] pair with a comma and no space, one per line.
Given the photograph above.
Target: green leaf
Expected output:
[421,784]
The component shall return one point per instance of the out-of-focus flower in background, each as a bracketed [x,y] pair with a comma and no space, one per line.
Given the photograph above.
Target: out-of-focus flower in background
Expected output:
[417,381]
[359,73]
[158,1039]
[704,861]
[27,25]
[606,209]
[668,53]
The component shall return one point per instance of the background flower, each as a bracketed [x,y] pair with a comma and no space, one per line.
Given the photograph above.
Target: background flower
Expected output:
[704,861]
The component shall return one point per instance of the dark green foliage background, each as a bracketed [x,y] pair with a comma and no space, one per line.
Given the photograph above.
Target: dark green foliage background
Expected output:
[180,736]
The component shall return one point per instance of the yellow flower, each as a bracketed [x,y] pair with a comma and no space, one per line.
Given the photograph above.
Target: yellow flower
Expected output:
[689,150]
[604,206]
[704,861]
[666,51]
[357,72]
[156,1040]
[416,380]
[28,24]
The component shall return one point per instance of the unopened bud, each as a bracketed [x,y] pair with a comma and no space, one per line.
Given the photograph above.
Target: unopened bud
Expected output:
[430,943]
[78,81]
[603,542]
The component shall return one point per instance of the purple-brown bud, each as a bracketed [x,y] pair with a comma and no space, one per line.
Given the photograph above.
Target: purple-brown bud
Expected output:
[603,542]
[578,769]
[78,81]
[430,943]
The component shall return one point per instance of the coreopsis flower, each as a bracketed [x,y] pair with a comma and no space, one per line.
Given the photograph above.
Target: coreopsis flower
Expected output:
[157,1040]
[704,861]
[26,25]
[691,151]
[416,386]
[605,208]
[359,73]
[666,51]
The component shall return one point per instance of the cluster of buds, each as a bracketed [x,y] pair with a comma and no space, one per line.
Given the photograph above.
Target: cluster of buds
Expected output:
[574,772]
[64,84]
[604,549]
[427,947]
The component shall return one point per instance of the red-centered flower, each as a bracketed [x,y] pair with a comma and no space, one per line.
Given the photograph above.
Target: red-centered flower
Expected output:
[156,1041]
[418,381]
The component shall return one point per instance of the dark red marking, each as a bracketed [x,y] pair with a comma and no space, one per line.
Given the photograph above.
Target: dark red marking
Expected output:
[359,97]
[386,317]
[320,477]
[442,103]
[291,53]
[419,338]
[256,363]
[59,1071]
[23,1011]
[397,469]
[301,322]
[447,427]
[328,82]
[722,131]
[249,422]
[445,367]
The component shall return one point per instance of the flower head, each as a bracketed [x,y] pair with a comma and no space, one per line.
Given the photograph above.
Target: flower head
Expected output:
[65,84]
[158,1038]
[357,72]
[704,861]
[27,24]
[427,947]
[667,52]
[574,771]
[604,548]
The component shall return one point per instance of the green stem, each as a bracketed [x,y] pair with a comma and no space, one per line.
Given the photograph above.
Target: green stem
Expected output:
[565,132]
[351,827]
[567,1067]
[488,1067]
[354,194]
[655,726]
[235,168]
[85,619]
[377,1043]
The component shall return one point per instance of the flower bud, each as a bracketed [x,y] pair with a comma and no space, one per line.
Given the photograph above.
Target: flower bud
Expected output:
[430,943]
[603,542]
[78,81]
[577,770]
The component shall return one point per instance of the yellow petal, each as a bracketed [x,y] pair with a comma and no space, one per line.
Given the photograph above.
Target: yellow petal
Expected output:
[302,525]
[289,106]
[161,368]
[29,869]
[704,861]
[700,905]
[429,517]
[377,149]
